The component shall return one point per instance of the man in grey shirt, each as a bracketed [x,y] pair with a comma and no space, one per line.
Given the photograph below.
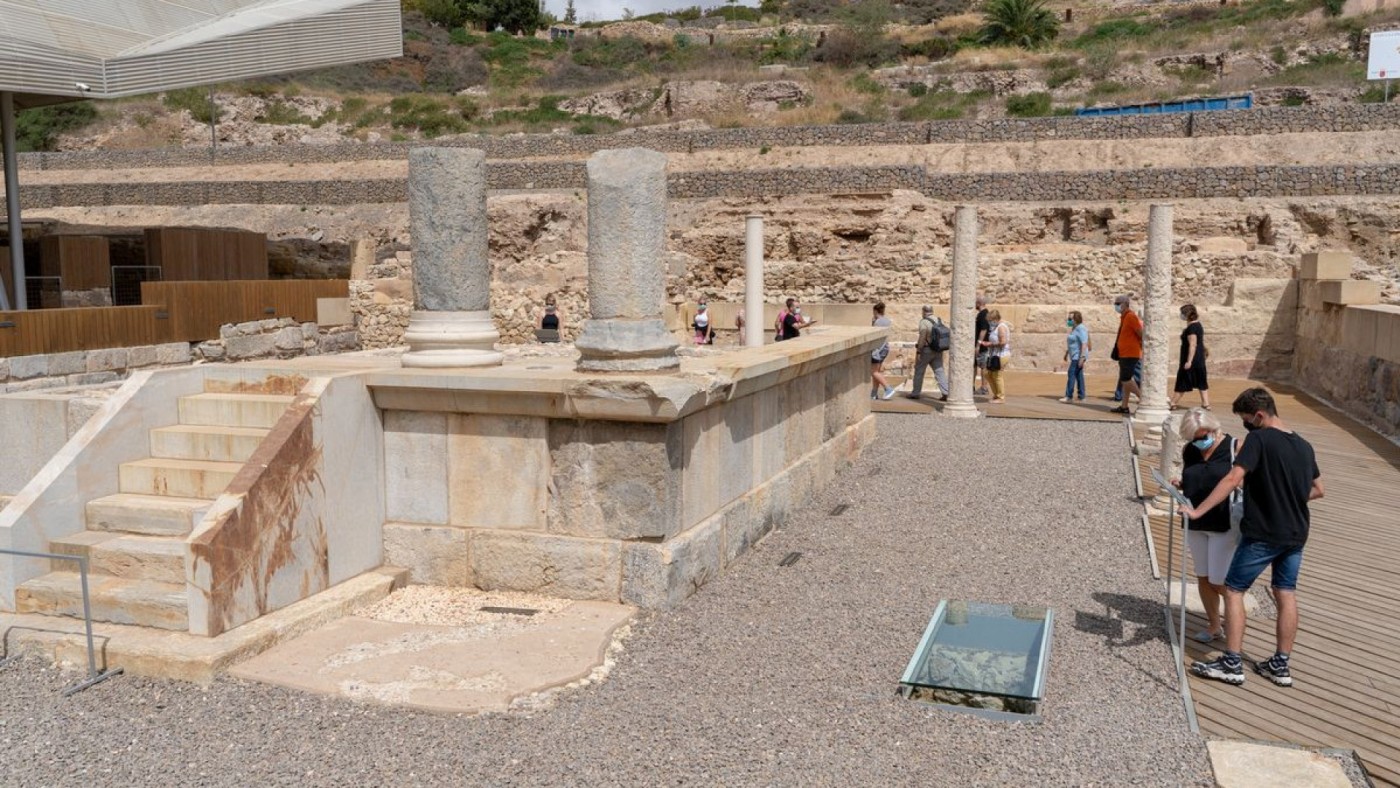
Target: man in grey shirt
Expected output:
[927,353]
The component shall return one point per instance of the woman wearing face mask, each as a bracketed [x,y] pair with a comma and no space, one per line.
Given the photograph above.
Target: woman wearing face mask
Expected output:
[704,332]
[1076,354]
[1191,374]
[1206,459]
[998,345]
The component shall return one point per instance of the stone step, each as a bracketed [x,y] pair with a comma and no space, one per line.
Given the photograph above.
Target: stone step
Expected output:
[116,599]
[180,478]
[153,515]
[159,558]
[206,442]
[233,410]
[4,500]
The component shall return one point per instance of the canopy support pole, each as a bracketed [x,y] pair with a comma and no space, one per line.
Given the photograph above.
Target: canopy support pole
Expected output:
[7,130]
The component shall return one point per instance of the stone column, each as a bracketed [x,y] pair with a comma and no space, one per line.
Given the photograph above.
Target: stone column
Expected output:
[1156,319]
[451,322]
[626,273]
[963,312]
[754,327]
[1168,459]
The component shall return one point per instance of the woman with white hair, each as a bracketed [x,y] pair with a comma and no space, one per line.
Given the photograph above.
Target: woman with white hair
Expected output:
[1206,459]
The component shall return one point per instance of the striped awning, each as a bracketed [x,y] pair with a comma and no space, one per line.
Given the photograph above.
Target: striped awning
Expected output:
[60,50]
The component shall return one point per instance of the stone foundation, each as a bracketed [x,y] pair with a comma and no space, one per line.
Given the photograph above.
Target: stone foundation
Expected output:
[280,338]
[636,489]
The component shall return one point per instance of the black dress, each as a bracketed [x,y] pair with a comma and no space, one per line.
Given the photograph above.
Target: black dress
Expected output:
[1194,377]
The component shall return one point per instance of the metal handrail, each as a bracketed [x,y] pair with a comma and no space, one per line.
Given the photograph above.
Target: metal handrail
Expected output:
[94,677]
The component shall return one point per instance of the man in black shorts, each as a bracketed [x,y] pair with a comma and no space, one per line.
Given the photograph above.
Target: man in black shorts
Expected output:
[1279,472]
[981,328]
[1128,347]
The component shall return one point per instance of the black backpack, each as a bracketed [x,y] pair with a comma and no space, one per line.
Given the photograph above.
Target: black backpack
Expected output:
[940,338]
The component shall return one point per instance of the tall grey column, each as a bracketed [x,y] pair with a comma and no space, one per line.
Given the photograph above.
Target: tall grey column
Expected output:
[1156,318]
[7,136]
[754,328]
[451,322]
[963,311]
[626,272]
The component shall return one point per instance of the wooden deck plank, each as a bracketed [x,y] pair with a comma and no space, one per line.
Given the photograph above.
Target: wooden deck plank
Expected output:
[1347,655]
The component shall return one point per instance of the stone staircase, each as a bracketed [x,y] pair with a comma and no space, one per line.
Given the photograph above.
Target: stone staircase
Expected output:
[135,540]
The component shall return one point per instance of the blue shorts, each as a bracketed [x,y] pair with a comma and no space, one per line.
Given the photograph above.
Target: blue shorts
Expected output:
[1252,555]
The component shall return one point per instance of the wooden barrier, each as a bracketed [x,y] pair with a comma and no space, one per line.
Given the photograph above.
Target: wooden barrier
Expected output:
[197,253]
[197,309]
[63,330]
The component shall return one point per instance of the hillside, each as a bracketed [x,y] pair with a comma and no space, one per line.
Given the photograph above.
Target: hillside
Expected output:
[809,65]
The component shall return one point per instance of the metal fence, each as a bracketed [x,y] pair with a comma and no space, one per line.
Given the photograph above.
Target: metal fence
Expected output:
[126,282]
[43,292]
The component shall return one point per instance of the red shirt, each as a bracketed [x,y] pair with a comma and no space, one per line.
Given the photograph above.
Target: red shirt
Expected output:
[1130,335]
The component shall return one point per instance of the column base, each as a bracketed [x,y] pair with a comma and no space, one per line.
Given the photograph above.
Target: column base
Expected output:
[961,410]
[1152,416]
[451,339]
[618,345]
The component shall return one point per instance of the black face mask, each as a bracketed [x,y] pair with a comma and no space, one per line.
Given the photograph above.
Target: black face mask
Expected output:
[1249,426]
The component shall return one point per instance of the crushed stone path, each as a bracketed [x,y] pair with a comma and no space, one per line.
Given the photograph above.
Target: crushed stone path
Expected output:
[768,675]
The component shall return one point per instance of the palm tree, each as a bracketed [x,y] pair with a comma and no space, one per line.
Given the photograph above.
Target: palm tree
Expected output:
[1022,23]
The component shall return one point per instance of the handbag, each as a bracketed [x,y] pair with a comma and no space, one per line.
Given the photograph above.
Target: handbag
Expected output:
[994,363]
[1113,354]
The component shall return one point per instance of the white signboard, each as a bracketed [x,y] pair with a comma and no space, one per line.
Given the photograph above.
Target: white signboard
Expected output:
[1384,61]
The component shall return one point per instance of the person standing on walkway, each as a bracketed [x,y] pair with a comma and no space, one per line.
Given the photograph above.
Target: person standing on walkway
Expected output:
[979,367]
[1206,458]
[879,386]
[1076,354]
[1280,476]
[791,322]
[1127,349]
[933,341]
[1191,375]
[998,346]
[704,331]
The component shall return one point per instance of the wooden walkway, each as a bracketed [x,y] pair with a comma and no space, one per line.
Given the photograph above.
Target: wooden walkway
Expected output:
[1346,661]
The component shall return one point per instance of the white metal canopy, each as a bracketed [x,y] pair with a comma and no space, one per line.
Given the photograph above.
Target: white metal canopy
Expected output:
[52,51]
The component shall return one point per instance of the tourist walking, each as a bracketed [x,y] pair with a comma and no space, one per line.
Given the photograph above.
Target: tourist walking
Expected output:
[1280,476]
[1076,354]
[979,367]
[1127,350]
[704,331]
[1206,458]
[934,339]
[998,346]
[1191,374]
[879,386]
[791,322]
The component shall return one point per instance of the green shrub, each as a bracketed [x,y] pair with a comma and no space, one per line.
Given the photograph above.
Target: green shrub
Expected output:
[1030,105]
[1375,94]
[1333,7]
[1292,101]
[430,116]
[36,129]
[280,113]
[851,116]
[610,53]
[941,105]
[862,82]
[918,89]
[1114,30]
[1278,55]
[1058,77]
[463,37]
[1107,88]
[193,100]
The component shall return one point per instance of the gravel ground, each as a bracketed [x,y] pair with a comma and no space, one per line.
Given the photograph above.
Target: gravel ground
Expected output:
[768,675]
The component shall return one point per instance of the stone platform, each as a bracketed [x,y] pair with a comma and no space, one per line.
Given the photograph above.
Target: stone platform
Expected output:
[633,488]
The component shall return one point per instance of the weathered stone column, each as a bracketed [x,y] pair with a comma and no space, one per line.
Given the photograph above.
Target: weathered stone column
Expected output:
[1168,459]
[451,322]
[963,312]
[754,326]
[626,274]
[1156,319]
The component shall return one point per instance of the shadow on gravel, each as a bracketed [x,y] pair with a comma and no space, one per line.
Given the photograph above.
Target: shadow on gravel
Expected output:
[1126,623]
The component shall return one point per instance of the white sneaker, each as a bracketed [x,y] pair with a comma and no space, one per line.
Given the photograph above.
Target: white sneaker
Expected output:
[889,393]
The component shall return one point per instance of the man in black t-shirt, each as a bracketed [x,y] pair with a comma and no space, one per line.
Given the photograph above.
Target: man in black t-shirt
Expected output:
[1280,476]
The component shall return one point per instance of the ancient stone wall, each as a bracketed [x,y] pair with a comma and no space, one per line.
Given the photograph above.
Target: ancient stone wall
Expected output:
[1270,120]
[86,367]
[1348,346]
[1134,184]
[276,338]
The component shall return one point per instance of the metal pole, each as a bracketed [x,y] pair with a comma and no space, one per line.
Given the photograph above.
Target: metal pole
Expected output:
[754,326]
[87,617]
[1171,547]
[7,131]
[1181,653]
[213,121]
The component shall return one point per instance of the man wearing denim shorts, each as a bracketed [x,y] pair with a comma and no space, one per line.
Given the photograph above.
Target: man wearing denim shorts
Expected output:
[1279,472]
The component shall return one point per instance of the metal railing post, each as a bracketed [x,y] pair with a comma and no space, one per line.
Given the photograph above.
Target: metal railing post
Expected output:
[94,677]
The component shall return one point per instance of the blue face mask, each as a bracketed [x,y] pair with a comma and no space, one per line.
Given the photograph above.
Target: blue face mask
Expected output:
[1070,323]
[1204,443]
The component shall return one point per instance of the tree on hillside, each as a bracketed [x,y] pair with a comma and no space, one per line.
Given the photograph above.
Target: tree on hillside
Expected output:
[570,15]
[515,16]
[1021,23]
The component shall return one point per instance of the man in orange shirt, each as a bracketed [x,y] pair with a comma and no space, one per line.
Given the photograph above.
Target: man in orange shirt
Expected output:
[1128,348]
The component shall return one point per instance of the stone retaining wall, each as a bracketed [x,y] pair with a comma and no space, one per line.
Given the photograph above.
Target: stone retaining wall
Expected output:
[86,367]
[1348,345]
[276,338]
[1269,120]
[1097,185]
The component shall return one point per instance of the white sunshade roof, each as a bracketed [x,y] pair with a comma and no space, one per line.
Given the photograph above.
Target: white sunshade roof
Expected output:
[50,48]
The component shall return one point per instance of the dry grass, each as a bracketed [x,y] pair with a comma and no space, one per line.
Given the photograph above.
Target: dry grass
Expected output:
[985,58]
[959,24]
